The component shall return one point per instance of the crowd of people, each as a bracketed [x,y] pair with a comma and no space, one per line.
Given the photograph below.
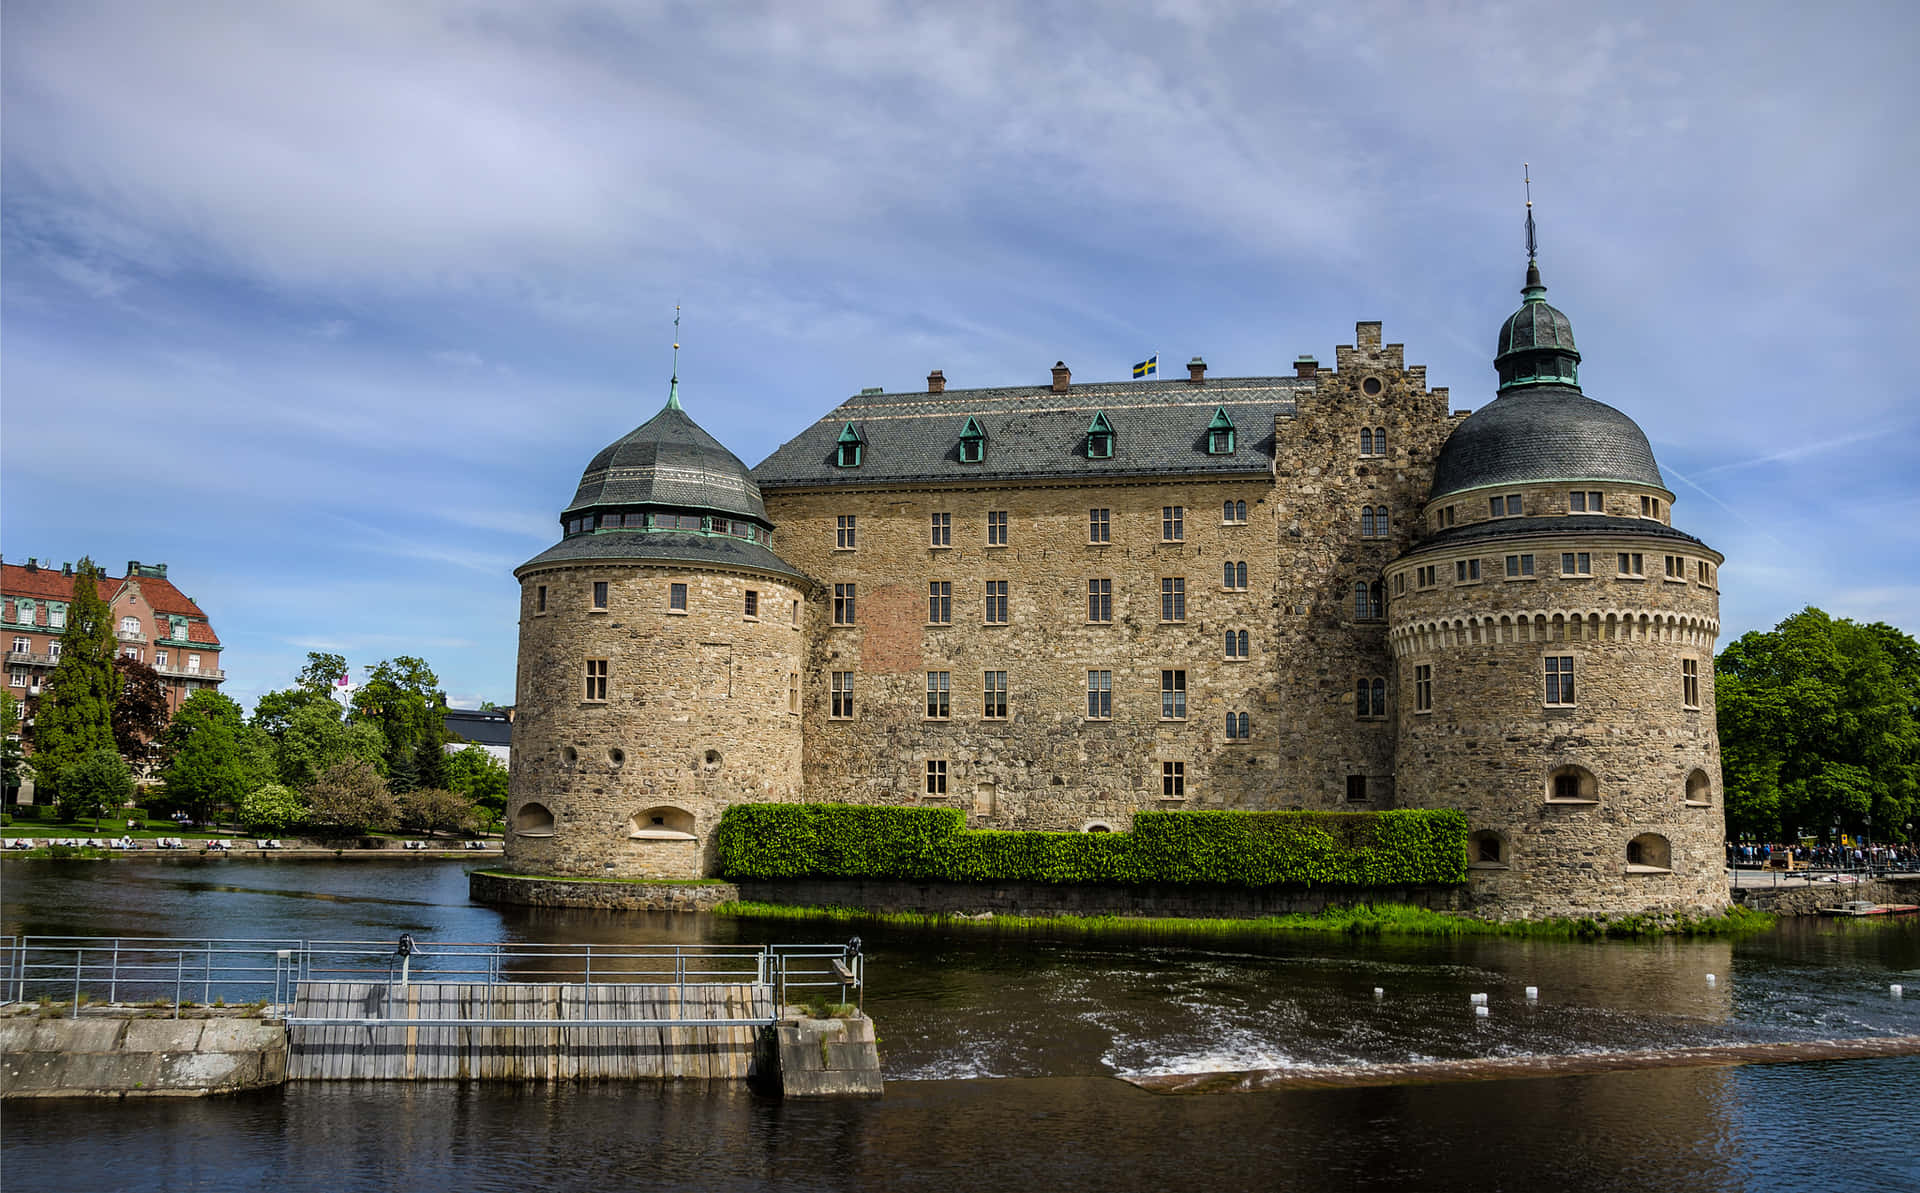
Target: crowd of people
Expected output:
[1880,859]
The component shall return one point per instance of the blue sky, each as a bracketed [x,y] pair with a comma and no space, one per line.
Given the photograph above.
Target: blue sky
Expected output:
[327,304]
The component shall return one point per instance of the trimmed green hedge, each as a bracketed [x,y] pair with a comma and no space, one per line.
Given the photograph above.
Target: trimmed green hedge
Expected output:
[1249,849]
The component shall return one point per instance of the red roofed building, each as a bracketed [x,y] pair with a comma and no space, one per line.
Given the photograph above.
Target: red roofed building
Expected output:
[154,622]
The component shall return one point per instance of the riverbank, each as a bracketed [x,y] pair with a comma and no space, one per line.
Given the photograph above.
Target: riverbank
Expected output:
[197,852]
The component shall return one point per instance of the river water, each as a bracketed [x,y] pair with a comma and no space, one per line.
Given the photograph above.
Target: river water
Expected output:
[1000,1049]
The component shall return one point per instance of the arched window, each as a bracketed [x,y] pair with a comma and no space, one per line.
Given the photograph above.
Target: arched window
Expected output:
[663,823]
[1238,724]
[1366,521]
[1699,788]
[1573,784]
[1233,574]
[1370,698]
[1380,521]
[1366,441]
[1649,853]
[533,820]
[1486,849]
[1376,600]
[1360,600]
[1236,644]
[1379,441]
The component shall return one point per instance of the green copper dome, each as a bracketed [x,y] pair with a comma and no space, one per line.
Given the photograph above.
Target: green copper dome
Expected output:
[1536,342]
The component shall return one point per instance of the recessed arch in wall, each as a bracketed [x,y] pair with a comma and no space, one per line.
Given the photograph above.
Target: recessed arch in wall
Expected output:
[1699,790]
[1096,826]
[569,755]
[533,820]
[1649,853]
[1572,784]
[1487,849]
[710,760]
[664,822]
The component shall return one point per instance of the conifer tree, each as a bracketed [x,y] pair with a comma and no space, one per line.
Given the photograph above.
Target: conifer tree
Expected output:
[75,714]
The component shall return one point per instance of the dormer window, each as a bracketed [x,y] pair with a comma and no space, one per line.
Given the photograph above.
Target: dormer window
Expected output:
[973,442]
[1100,437]
[1220,433]
[850,447]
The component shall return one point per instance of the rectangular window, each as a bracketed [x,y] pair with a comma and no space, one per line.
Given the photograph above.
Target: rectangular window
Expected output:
[1370,697]
[936,777]
[1234,575]
[57,617]
[842,696]
[1399,584]
[1099,526]
[1356,789]
[1650,507]
[844,529]
[22,645]
[677,598]
[940,533]
[1173,695]
[193,662]
[793,691]
[1443,517]
[1504,507]
[1173,598]
[1632,564]
[159,658]
[1576,563]
[19,677]
[1690,682]
[1466,571]
[940,602]
[1519,566]
[599,594]
[597,681]
[1426,577]
[996,528]
[996,602]
[1585,502]
[1173,780]
[1100,601]
[1706,572]
[1173,523]
[540,599]
[1423,687]
[53,651]
[753,603]
[938,695]
[1099,695]
[843,602]
[994,690]
[796,615]
[1559,670]
[1238,726]
[1676,567]
[1236,645]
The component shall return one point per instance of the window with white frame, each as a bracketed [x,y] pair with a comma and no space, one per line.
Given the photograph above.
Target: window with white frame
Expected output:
[994,695]
[842,707]
[939,695]
[1173,598]
[1100,601]
[936,777]
[940,532]
[996,528]
[939,602]
[1099,695]
[1173,695]
[846,532]
[1173,523]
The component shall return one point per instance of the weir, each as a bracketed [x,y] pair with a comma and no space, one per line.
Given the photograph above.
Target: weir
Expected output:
[376,1010]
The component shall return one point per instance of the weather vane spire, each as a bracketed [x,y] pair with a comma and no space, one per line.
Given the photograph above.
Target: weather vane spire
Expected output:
[1534,287]
[673,387]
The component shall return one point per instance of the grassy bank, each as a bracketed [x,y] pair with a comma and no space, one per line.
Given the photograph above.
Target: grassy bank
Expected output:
[1387,919]
[495,873]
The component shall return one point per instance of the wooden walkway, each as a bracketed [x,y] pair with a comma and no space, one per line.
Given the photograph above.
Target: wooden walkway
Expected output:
[542,1053]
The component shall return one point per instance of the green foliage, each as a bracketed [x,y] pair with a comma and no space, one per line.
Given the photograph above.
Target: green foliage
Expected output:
[272,809]
[400,697]
[1820,718]
[322,672]
[402,775]
[75,713]
[430,765]
[351,796]
[436,810]
[479,776]
[1246,849]
[11,752]
[315,738]
[95,785]
[209,763]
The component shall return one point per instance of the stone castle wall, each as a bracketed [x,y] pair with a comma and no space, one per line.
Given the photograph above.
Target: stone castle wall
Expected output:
[697,716]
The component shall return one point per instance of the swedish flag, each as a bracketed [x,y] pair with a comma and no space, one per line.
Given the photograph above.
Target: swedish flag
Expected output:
[1149,367]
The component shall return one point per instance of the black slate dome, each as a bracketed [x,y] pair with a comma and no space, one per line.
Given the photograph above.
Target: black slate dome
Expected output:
[668,461]
[1544,433]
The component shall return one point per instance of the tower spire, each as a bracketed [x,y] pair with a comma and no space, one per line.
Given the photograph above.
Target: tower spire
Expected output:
[1534,287]
[673,387]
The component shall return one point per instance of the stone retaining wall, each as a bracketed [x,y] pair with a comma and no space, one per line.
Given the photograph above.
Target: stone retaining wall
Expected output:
[610,896]
[1041,899]
[117,1054]
[1810,898]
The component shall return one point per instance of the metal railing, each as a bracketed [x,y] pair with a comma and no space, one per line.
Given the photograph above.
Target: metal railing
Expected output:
[269,972]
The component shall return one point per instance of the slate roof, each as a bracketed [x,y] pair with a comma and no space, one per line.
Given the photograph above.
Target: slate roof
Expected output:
[656,546]
[473,725]
[669,460]
[1535,325]
[1159,428]
[1521,528]
[1544,433]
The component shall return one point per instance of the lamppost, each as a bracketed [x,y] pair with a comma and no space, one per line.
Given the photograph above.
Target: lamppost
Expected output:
[1838,856]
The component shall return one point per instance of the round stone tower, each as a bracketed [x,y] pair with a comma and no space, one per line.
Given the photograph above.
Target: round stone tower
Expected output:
[1553,640]
[660,663]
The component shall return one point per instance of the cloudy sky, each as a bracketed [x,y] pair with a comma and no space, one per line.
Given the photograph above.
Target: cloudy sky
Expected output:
[326,304]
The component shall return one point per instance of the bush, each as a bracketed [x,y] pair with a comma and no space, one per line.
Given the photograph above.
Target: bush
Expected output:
[434,809]
[351,797]
[6,818]
[272,809]
[94,786]
[1243,849]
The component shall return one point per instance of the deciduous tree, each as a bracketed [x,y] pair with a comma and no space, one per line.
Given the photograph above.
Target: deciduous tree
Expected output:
[479,776]
[139,711]
[351,797]
[94,786]
[273,808]
[207,765]
[433,809]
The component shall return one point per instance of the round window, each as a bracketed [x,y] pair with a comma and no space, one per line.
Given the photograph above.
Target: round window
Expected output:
[1371,387]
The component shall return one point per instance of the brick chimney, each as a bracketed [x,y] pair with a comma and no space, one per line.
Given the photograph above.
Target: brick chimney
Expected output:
[33,564]
[1062,376]
[1196,370]
[1305,366]
[937,382]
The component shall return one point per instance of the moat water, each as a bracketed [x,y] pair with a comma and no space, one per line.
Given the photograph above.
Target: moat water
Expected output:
[1001,1049]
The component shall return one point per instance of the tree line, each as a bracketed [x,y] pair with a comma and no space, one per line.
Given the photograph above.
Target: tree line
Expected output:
[301,763]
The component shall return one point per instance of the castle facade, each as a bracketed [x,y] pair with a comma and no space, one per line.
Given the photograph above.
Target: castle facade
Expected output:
[1053,606]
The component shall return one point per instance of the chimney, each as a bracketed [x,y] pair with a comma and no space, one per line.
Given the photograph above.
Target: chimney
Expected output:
[66,569]
[1196,370]
[1305,366]
[1062,376]
[937,382]
[133,567]
[33,563]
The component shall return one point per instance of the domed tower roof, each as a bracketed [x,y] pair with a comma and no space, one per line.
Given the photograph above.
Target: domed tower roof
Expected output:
[667,492]
[1536,342]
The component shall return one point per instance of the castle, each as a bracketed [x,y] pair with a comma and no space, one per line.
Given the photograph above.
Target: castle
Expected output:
[1053,606]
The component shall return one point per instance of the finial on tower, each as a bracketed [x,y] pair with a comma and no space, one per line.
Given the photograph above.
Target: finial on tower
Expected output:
[1534,287]
[673,387]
